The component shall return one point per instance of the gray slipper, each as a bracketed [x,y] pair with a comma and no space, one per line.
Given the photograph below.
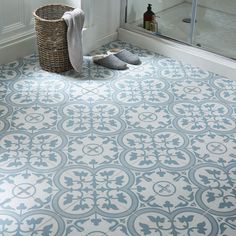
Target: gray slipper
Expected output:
[125,56]
[110,61]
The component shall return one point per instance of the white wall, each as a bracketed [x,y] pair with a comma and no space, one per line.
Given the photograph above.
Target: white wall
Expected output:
[103,23]
[136,8]
[17,36]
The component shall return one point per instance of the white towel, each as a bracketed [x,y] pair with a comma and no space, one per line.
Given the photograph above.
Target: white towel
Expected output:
[75,21]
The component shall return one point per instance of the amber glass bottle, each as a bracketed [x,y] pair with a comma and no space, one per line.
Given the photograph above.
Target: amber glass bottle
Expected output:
[148,17]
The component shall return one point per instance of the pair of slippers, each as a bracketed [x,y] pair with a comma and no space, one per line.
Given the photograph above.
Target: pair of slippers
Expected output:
[117,59]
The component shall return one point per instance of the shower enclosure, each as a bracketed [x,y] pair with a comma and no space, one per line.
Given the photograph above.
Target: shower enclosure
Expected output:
[208,24]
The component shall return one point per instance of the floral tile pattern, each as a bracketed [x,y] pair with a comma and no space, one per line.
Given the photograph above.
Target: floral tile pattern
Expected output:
[150,151]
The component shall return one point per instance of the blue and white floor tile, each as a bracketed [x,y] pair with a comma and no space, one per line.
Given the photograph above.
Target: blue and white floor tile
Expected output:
[148,151]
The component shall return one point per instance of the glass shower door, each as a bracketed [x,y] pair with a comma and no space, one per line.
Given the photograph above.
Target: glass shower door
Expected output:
[174,17]
[208,24]
[215,28]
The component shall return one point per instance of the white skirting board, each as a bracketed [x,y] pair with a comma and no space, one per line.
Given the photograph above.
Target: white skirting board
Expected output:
[19,47]
[187,54]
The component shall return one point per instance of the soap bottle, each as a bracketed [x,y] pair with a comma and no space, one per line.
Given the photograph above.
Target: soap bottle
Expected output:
[148,17]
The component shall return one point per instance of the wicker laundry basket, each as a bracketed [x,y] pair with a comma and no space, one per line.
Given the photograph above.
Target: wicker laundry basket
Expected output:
[51,33]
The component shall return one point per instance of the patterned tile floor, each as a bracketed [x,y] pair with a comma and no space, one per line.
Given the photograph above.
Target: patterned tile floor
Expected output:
[147,151]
